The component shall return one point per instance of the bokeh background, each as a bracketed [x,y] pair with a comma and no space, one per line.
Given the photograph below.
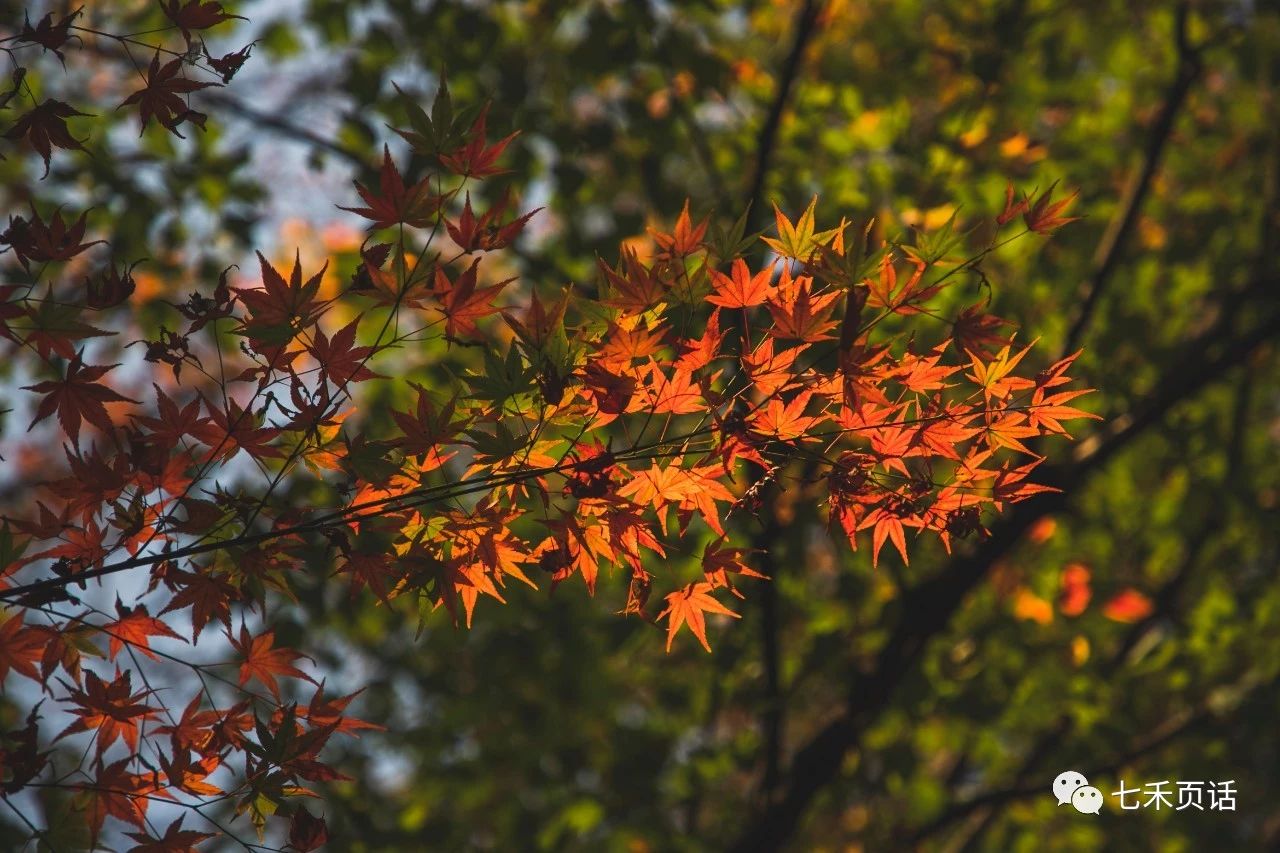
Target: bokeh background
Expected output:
[1127,627]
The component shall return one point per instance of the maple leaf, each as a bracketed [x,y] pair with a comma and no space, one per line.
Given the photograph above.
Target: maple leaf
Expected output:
[396,203]
[684,240]
[975,330]
[485,234]
[329,713]
[888,525]
[110,707]
[798,313]
[462,303]
[239,429]
[741,289]
[341,362]
[702,351]
[20,648]
[263,662]
[175,838]
[886,292]
[994,375]
[228,64]
[77,397]
[191,15]
[635,287]
[783,422]
[110,288]
[1012,209]
[1046,410]
[799,241]
[208,596]
[1044,217]
[188,775]
[134,626]
[475,159]
[44,127]
[36,240]
[770,371]
[427,429]
[117,793]
[1007,429]
[172,425]
[687,607]
[611,392]
[161,97]
[676,394]
[279,310]
[539,325]
[719,562]
[307,832]
[48,35]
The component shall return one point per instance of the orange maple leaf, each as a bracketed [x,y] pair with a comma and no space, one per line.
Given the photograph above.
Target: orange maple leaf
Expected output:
[684,240]
[799,313]
[687,607]
[741,289]
[134,627]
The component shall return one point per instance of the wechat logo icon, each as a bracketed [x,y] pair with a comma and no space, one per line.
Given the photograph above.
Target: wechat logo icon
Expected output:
[1072,787]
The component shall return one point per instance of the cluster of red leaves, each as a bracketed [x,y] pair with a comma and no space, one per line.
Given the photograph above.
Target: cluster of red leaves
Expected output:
[603,430]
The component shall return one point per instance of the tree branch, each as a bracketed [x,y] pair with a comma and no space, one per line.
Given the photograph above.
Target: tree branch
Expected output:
[1107,255]
[767,139]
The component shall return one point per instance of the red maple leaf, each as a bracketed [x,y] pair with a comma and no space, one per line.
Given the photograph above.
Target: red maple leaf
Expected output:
[341,361]
[462,303]
[279,310]
[635,287]
[396,203]
[44,127]
[175,838]
[112,708]
[76,397]
[208,596]
[1045,217]
[172,424]
[475,159]
[263,662]
[485,234]
[196,15]
[161,98]
[36,240]
[239,429]
[307,832]
[118,793]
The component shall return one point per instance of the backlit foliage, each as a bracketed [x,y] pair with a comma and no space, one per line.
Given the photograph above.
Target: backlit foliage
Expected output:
[633,424]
